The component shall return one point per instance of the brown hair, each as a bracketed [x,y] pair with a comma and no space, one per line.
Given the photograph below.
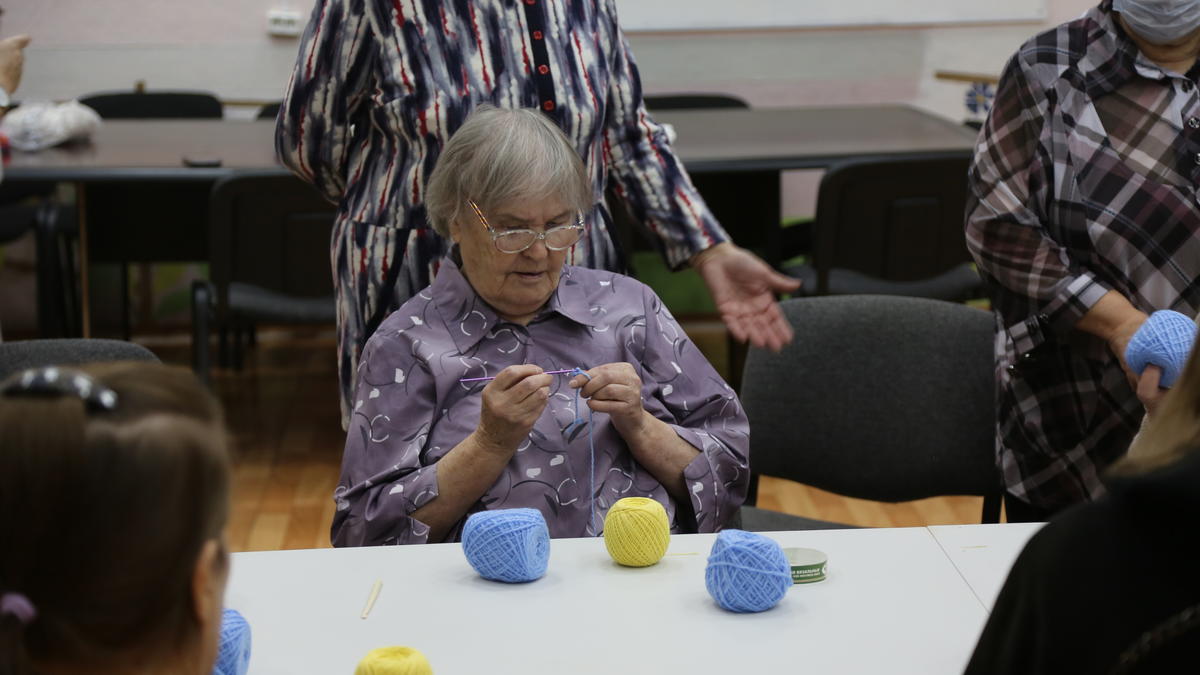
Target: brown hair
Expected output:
[103,514]
[1174,429]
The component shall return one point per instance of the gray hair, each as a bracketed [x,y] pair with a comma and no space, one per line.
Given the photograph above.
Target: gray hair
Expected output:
[502,155]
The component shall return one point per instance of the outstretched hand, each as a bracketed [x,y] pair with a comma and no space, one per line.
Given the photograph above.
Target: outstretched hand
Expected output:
[743,288]
[12,61]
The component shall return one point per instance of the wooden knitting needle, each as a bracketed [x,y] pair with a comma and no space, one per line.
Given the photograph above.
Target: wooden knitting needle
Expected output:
[371,598]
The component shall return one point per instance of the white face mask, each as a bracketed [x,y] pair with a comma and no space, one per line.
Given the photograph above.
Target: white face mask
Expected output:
[1160,21]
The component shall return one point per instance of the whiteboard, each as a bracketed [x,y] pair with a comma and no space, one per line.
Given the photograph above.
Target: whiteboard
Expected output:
[666,15]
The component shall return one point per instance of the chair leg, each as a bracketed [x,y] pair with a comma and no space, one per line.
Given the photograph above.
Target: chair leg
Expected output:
[991,508]
[223,345]
[752,491]
[126,308]
[202,305]
[51,319]
[71,292]
[238,349]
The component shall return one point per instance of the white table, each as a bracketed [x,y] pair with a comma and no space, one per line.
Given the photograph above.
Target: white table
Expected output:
[893,602]
[984,554]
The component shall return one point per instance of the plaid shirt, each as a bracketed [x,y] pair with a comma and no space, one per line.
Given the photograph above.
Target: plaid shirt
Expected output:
[1084,181]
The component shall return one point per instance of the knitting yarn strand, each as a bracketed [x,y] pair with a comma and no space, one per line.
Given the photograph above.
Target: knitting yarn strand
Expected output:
[591,526]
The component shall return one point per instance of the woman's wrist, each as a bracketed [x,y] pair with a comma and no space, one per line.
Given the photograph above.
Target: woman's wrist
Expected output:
[709,253]
[637,431]
[492,445]
[1112,318]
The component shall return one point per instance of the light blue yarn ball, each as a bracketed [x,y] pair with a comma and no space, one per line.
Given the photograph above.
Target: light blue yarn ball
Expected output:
[509,545]
[1165,340]
[747,572]
[233,655]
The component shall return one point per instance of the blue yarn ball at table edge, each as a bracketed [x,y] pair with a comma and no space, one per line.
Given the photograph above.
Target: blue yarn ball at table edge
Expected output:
[1164,340]
[509,545]
[747,572]
[233,655]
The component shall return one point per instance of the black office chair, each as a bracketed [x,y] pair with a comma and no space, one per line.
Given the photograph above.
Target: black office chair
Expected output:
[154,104]
[693,101]
[31,206]
[879,397]
[17,356]
[269,111]
[106,206]
[269,245]
[891,227]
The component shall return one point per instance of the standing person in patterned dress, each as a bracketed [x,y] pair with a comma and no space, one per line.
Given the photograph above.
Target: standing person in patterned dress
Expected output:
[1083,218]
[379,87]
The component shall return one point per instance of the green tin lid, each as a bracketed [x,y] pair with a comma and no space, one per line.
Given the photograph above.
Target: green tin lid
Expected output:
[808,565]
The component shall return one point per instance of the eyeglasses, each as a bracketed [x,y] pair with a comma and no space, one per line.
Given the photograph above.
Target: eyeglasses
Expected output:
[556,238]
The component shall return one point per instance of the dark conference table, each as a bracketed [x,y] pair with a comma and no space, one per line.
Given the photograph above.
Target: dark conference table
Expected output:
[710,141]
[139,202]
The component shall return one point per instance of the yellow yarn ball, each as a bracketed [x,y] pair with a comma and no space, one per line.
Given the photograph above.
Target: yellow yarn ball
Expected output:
[636,531]
[394,661]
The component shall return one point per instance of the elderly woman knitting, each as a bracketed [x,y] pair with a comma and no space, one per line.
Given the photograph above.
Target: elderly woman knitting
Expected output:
[637,412]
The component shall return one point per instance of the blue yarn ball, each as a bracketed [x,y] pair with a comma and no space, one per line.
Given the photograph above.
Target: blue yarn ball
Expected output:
[509,545]
[233,655]
[747,572]
[1164,340]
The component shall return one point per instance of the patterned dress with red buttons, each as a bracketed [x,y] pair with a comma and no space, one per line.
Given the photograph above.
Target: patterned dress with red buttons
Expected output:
[380,85]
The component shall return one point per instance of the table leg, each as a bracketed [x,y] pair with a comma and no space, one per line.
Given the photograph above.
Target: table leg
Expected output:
[85,325]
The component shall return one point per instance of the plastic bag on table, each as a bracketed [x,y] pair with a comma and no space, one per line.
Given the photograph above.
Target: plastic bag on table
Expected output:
[37,126]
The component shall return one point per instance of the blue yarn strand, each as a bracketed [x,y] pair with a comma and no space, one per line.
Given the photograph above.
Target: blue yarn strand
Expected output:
[591,452]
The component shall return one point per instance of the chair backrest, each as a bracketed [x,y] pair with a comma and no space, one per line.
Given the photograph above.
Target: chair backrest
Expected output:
[885,398]
[749,200]
[693,101]
[272,231]
[269,111]
[155,105]
[17,356]
[893,219]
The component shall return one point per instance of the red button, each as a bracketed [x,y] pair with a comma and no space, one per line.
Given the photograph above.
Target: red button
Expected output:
[548,105]
[537,35]
[530,2]
[543,69]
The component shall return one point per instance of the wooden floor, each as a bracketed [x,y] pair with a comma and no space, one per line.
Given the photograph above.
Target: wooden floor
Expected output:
[282,410]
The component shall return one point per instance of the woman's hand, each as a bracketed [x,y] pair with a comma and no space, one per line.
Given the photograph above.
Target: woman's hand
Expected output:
[1114,319]
[743,288]
[1118,343]
[1148,389]
[615,389]
[512,403]
[12,61]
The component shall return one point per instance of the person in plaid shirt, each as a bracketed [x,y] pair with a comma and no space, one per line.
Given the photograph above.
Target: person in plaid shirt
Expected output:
[1083,218]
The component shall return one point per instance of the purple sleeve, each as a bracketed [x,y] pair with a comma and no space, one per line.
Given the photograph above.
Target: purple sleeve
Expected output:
[384,478]
[332,76]
[706,413]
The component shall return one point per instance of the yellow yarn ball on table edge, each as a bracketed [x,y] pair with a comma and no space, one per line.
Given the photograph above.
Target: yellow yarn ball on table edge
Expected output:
[637,532]
[394,661]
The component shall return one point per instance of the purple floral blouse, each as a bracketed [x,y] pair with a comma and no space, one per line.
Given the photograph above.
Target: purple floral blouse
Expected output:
[410,409]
